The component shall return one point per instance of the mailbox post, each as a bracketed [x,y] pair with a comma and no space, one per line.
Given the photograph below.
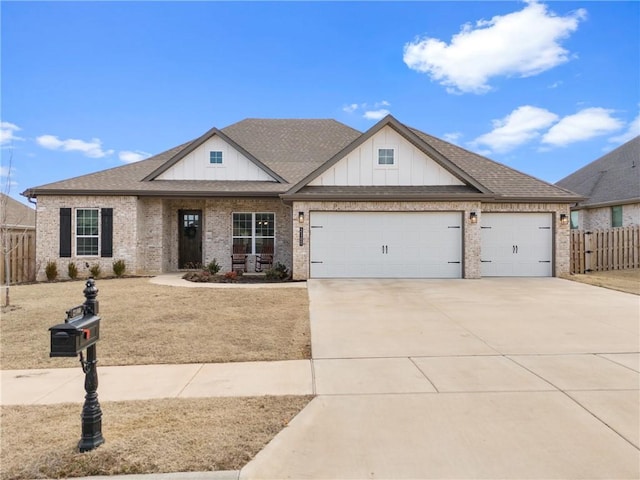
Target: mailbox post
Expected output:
[80,331]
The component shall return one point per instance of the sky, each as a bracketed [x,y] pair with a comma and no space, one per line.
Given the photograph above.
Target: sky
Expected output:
[543,87]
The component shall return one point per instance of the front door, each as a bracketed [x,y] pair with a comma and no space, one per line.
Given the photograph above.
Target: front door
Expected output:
[190,238]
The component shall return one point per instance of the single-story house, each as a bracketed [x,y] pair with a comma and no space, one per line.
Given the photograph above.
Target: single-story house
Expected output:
[611,187]
[330,200]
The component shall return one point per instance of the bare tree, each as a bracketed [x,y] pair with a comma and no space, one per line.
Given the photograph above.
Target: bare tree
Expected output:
[12,224]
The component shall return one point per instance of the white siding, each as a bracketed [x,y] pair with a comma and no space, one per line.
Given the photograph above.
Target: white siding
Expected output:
[196,166]
[412,167]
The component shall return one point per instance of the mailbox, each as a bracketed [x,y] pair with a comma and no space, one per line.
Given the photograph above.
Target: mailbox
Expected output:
[80,330]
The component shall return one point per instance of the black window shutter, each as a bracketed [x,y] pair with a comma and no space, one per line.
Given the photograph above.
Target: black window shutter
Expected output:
[65,232]
[106,225]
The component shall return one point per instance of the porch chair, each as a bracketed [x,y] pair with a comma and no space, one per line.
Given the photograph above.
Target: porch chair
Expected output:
[264,258]
[239,258]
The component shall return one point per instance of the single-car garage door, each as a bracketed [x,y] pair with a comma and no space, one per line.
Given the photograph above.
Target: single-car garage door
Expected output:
[386,245]
[516,244]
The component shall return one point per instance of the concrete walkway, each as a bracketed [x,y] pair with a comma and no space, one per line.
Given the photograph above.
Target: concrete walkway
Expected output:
[492,378]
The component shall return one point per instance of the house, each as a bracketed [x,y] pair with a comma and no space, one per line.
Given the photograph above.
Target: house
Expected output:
[332,201]
[611,187]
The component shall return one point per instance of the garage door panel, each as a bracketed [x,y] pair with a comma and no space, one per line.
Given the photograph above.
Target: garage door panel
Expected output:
[516,244]
[386,244]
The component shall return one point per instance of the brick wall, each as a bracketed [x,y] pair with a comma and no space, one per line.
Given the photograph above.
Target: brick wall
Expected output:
[600,218]
[125,241]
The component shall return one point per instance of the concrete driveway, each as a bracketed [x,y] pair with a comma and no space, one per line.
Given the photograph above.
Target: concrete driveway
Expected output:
[491,378]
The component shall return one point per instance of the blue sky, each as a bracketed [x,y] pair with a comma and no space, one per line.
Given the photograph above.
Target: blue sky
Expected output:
[542,87]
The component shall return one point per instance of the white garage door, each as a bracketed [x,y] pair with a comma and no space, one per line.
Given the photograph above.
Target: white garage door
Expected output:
[386,244]
[516,244]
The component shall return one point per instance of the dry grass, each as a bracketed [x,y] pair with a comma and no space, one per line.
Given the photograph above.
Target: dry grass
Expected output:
[143,323]
[622,280]
[155,436]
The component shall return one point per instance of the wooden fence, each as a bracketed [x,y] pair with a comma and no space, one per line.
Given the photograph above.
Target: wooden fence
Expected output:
[601,250]
[21,245]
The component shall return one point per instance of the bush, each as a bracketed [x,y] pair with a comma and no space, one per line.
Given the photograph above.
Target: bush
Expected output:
[95,270]
[119,267]
[51,271]
[72,271]
[278,272]
[213,267]
[202,276]
[233,275]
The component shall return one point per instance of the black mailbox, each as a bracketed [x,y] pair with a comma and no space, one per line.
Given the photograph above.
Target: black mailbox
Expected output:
[80,330]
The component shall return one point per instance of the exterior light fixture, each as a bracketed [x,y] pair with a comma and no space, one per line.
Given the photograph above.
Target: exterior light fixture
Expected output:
[301,217]
[473,217]
[564,219]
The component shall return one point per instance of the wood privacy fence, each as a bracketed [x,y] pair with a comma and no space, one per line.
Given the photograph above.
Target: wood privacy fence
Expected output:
[21,245]
[601,250]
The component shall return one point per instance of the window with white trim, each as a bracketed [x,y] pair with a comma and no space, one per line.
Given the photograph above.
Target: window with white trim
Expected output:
[386,157]
[215,157]
[254,230]
[87,232]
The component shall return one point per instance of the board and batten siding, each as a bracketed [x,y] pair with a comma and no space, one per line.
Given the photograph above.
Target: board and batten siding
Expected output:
[196,166]
[360,167]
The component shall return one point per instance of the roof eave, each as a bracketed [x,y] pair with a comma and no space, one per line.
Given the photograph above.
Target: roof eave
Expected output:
[413,197]
[610,203]
[551,199]
[159,193]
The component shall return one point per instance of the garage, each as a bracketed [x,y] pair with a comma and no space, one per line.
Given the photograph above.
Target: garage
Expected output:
[385,244]
[516,245]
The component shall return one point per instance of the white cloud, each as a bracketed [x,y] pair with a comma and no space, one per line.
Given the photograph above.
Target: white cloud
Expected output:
[8,133]
[586,124]
[632,132]
[452,137]
[376,114]
[523,43]
[129,156]
[92,149]
[350,108]
[520,126]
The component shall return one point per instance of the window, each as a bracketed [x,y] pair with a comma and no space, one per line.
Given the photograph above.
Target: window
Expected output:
[616,216]
[215,158]
[385,156]
[87,232]
[575,219]
[254,231]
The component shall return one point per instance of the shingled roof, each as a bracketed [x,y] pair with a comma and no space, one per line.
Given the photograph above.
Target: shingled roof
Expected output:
[297,150]
[611,179]
[16,215]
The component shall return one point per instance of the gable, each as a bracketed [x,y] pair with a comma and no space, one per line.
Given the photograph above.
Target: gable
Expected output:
[196,165]
[409,166]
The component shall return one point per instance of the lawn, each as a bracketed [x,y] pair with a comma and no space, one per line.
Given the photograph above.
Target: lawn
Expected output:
[622,280]
[143,323]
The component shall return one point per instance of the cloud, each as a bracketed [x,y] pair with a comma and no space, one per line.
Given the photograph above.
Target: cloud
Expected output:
[376,114]
[92,149]
[370,112]
[520,126]
[452,137]
[7,133]
[129,156]
[522,43]
[632,132]
[586,124]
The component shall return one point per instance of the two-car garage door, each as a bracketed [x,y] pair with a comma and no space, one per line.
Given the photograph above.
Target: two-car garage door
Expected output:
[427,244]
[386,244]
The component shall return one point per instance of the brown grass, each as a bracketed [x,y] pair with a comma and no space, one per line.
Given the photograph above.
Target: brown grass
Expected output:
[143,323]
[157,436]
[622,280]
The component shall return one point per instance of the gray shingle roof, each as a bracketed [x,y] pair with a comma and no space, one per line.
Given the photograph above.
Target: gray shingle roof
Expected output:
[297,150]
[612,178]
[15,214]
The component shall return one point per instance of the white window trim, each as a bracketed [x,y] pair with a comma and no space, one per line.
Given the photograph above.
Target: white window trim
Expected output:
[394,165]
[253,230]
[75,232]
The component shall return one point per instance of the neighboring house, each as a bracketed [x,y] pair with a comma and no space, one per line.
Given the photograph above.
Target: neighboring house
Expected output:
[611,187]
[17,239]
[334,202]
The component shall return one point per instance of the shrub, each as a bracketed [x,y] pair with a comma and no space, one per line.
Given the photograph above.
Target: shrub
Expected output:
[119,267]
[51,271]
[278,272]
[213,267]
[233,275]
[201,276]
[95,270]
[72,271]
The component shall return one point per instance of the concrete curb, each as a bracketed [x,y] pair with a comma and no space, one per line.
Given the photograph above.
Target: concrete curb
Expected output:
[218,475]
